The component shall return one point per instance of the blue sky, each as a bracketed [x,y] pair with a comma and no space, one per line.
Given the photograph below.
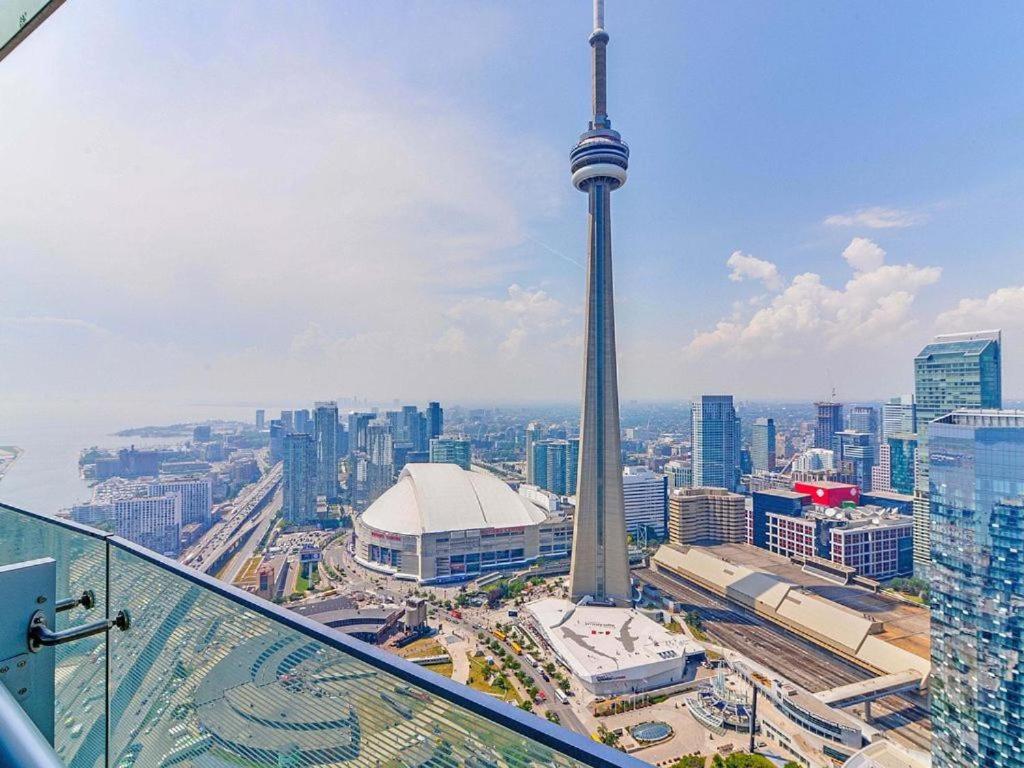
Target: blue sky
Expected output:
[245,201]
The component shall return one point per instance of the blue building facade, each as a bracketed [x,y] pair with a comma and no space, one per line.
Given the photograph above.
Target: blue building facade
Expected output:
[976,484]
[775,502]
[716,442]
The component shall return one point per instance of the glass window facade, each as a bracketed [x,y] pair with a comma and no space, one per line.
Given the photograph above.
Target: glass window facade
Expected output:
[976,484]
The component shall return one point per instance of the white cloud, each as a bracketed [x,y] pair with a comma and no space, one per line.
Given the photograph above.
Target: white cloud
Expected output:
[864,255]
[747,267]
[877,217]
[1003,308]
[810,326]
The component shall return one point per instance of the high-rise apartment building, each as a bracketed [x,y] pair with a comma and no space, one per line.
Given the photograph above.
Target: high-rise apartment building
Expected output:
[435,420]
[976,477]
[572,465]
[261,416]
[881,473]
[959,370]
[301,421]
[899,415]
[299,478]
[380,455]
[716,442]
[277,434]
[196,496]
[762,445]
[706,516]
[644,495]
[326,434]
[450,450]
[288,420]
[152,521]
[829,421]
[357,424]
[600,562]
[534,433]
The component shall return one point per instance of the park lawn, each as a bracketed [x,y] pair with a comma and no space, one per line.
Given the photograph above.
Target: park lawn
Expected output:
[477,674]
[417,649]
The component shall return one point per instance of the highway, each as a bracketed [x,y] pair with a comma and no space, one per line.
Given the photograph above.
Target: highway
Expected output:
[791,656]
[206,555]
[264,520]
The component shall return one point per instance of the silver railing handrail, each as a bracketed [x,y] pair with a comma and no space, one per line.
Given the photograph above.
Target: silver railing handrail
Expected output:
[21,743]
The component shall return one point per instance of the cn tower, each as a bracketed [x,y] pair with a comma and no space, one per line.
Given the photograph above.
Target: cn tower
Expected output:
[600,562]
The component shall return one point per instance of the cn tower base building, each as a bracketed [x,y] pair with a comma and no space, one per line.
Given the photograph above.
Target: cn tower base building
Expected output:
[609,646]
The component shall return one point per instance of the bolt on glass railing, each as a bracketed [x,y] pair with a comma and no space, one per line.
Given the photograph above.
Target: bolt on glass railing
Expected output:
[207,675]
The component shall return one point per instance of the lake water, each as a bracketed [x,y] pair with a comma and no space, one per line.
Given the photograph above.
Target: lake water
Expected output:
[45,477]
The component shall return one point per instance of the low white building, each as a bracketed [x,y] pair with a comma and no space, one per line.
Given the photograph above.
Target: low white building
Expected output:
[612,650]
[644,497]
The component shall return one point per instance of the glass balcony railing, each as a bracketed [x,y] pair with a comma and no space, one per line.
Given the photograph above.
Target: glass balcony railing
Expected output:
[212,677]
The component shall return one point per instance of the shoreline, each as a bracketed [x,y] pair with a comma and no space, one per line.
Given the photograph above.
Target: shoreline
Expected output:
[8,455]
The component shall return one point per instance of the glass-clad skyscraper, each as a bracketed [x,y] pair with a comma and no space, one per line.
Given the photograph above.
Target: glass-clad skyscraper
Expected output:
[976,480]
[716,442]
[902,454]
[299,478]
[762,445]
[958,370]
[829,421]
[326,430]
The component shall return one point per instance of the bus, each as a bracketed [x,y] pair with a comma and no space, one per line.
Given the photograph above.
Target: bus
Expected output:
[533,662]
[560,695]
[499,634]
[517,648]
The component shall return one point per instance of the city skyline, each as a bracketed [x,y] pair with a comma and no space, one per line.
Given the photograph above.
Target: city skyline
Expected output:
[489,281]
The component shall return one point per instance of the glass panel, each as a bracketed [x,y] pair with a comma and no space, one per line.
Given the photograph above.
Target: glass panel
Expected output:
[15,14]
[202,680]
[80,726]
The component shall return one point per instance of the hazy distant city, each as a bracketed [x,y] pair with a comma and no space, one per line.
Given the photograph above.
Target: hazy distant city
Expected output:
[737,482]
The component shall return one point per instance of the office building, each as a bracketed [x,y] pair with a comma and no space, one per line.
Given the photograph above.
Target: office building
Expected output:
[899,415]
[902,450]
[960,370]
[435,420]
[976,477]
[855,457]
[301,421]
[450,450]
[829,421]
[864,418]
[776,501]
[762,445]
[326,436]
[706,516]
[644,495]
[299,478]
[716,442]
[261,416]
[679,474]
[881,473]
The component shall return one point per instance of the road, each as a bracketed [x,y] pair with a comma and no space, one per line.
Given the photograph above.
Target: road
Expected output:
[267,517]
[791,656]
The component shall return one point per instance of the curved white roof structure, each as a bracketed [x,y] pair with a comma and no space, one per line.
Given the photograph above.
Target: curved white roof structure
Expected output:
[430,498]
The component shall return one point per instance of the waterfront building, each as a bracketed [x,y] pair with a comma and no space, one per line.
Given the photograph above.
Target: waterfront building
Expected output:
[326,436]
[976,482]
[959,370]
[644,496]
[299,478]
[150,521]
[829,421]
[716,442]
[899,415]
[680,474]
[762,445]
[450,450]
[706,516]
[196,497]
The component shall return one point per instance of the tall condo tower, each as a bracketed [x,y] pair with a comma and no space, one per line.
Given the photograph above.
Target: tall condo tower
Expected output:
[600,563]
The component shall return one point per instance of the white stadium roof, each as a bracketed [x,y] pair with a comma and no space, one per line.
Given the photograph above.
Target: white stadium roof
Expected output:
[429,498]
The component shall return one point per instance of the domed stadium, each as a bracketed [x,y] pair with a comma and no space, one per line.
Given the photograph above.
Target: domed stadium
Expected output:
[441,523]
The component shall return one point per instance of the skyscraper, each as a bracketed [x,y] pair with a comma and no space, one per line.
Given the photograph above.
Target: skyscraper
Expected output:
[572,464]
[261,416]
[864,418]
[958,370]
[829,421]
[645,494]
[380,464]
[435,420]
[902,459]
[534,432]
[716,442]
[300,465]
[600,564]
[325,422]
[357,423]
[976,477]
[300,420]
[277,434]
[855,456]
[899,415]
[762,445]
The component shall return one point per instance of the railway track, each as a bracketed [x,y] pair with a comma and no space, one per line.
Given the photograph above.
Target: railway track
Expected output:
[790,655]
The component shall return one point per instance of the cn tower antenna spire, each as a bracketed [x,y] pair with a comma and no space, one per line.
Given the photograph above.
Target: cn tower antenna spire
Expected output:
[600,565]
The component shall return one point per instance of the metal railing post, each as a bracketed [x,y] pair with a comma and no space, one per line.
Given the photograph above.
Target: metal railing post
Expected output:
[21,743]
